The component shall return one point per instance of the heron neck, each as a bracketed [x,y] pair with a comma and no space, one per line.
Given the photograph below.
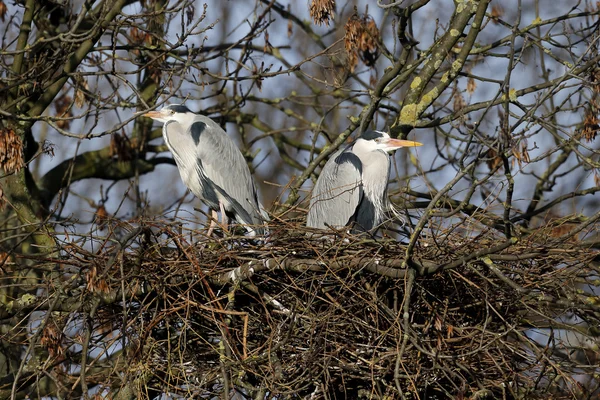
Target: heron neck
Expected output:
[375,175]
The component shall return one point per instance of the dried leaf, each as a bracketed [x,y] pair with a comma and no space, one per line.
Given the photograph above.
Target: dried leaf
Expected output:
[80,93]
[137,36]
[353,30]
[524,152]
[590,123]
[437,323]
[3,10]
[369,41]
[592,8]
[352,61]
[322,11]
[101,216]
[51,339]
[373,80]
[521,154]
[459,101]
[11,151]
[595,79]
[258,79]
[361,40]
[471,85]
[267,48]
[94,283]
[494,160]
[517,156]
[101,212]
[63,110]
[497,12]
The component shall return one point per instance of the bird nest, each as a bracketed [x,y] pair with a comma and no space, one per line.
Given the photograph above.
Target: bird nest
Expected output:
[336,318]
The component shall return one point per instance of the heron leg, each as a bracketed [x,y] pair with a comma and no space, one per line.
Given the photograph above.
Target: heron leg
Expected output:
[224,218]
[213,222]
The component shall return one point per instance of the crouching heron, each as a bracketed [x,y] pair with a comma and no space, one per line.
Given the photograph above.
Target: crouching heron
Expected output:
[352,187]
[211,166]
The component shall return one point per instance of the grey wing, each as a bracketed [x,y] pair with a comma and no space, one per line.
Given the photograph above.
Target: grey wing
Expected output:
[337,193]
[224,167]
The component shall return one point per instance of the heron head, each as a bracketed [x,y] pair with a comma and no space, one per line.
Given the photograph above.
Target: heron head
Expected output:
[170,112]
[376,140]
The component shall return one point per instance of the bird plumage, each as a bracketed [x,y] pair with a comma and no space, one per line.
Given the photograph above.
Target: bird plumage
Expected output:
[352,187]
[337,193]
[211,165]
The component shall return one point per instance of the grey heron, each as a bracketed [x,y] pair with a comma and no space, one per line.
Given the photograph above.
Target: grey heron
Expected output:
[211,166]
[352,187]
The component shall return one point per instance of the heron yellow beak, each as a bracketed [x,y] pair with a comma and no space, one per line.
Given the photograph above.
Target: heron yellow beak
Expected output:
[153,114]
[397,143]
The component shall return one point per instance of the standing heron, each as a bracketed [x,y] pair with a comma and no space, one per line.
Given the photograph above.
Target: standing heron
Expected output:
[352,187]
[211,166]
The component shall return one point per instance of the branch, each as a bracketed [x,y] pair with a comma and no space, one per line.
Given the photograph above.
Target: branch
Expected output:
[99,164]
[416,102]
[25,30]
[37,106]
